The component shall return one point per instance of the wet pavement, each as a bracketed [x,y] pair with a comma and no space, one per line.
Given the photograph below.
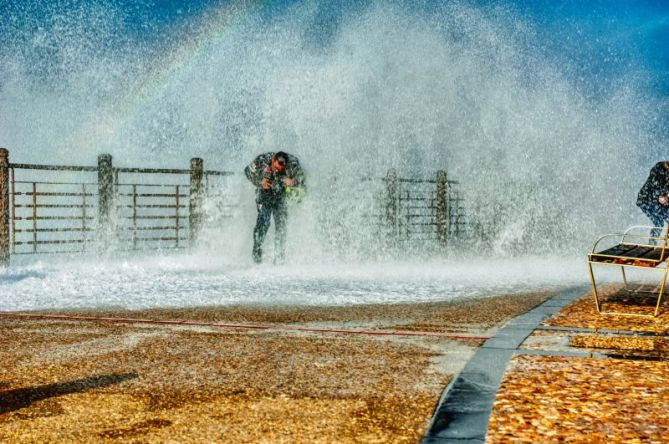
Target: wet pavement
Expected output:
[562,371]
[465,407]
[238,374]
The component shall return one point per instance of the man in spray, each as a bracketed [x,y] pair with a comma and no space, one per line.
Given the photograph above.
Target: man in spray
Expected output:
[278,177]
[653,198]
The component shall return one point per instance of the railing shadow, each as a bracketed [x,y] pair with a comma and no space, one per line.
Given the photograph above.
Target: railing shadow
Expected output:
[16,399]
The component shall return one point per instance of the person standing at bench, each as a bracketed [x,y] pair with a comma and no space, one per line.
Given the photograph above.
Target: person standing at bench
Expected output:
[653,198]
[277,177]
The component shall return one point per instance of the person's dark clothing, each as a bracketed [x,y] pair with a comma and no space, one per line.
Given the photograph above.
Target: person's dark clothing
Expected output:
[272,200]
[656,185]
[265,211]
[261,168]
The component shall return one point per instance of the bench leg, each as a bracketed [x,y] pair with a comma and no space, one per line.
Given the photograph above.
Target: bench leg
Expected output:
[622,270]
[594,287]
[659,296]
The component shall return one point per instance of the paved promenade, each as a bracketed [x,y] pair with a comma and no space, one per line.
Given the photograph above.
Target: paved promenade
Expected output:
[562,372]
[243,374]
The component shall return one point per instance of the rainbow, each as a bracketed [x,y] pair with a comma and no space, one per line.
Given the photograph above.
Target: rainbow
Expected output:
[214,25]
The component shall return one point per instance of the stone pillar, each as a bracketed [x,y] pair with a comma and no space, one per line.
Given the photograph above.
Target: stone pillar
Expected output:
[442,208]
[195,199]
[4,207]
[392,209]
[105,198]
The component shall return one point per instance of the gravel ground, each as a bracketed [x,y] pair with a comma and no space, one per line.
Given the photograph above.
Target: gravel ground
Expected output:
[100,381]
[582,312]
[547,399]
[621,397]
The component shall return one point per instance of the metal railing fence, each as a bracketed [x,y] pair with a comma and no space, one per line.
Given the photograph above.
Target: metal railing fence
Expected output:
[69,208]
[124,209]
[420,211]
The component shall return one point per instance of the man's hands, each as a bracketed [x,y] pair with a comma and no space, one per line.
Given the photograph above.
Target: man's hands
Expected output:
[266,184]
[663,200]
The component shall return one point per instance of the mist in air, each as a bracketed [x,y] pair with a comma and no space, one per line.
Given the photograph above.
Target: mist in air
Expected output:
[549,148]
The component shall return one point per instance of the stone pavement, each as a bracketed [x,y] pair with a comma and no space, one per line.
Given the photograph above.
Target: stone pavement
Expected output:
[563,372]
[464,409]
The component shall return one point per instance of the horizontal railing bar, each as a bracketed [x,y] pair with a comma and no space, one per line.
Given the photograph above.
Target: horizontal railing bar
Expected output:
[49,252]
[171,171]
[152,206]
[416,196]
[151,170]
[152,248]
[93,169]
[419,226]
[218,173]
[173,227]
[29,166]
[406,180]
[54,218]
[403,180]
[171,185]
[154,217]
[418,234]
[52,230]
[153,239]
[28,193]
[151,195]
[53,206]
[45,242]
[52,183]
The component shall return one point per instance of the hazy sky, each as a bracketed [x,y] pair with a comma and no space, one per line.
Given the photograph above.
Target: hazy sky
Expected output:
[605,36]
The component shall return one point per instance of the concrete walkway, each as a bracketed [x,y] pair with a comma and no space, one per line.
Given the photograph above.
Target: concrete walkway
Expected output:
[465,406]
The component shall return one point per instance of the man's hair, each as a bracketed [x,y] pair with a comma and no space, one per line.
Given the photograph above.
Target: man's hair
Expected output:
[281,157]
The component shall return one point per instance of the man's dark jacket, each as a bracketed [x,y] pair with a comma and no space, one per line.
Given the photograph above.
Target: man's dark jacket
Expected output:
[656,185]
[261,168]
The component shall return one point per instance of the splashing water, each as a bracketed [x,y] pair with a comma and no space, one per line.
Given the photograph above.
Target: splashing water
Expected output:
[545,164]
[184,281]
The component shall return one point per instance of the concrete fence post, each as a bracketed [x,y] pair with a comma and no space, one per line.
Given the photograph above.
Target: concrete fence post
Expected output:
[442,207]
[4,207]
[195,199]
[105,198]
[392,209]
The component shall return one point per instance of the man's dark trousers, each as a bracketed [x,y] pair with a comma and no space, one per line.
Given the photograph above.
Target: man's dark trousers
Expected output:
[658,214]
[265,211]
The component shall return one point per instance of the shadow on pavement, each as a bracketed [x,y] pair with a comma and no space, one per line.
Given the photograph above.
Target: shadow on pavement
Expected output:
[16,399]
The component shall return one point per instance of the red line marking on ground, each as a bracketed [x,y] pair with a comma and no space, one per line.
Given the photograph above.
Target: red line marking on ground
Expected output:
[242,326]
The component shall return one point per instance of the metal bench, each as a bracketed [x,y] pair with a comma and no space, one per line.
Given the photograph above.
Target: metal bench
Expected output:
[631,250]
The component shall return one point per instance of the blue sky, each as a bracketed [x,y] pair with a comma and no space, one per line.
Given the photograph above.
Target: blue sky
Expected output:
[603,37]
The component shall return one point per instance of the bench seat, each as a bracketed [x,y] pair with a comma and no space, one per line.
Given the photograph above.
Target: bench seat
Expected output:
[631,250]
[631,254]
